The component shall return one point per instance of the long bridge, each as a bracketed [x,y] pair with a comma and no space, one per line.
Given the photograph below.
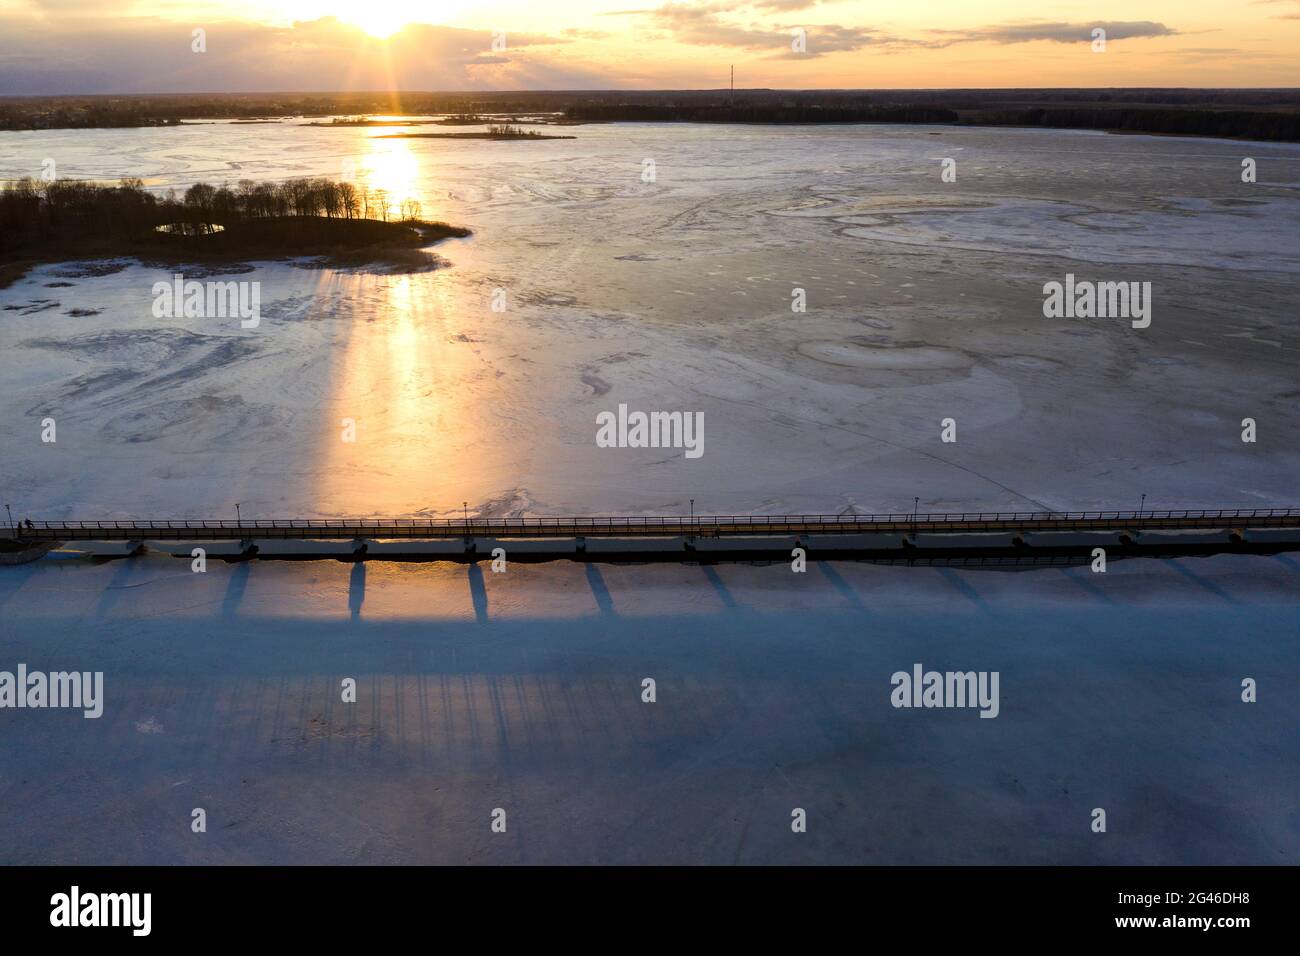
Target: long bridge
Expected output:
[998,536]
[701,526]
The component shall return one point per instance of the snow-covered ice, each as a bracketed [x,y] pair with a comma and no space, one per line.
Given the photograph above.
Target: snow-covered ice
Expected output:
[523,691]
[924,302]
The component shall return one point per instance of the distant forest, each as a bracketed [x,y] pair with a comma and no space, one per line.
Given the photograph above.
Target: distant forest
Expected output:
[1251,114]
[758,113]
[1235,124]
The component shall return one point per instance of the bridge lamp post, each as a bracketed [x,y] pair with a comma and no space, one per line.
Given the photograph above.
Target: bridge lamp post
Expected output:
[11,518]
[1141,508]
[465,507]
[239,519]
[916,504]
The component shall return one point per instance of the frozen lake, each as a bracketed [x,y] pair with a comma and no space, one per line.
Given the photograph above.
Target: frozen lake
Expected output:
[924,302]
[523,690]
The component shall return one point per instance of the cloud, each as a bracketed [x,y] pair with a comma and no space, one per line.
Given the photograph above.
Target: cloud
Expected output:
[830,38]
[1055,32]
[138,55]
[784,6]
[713,24]
[703,25]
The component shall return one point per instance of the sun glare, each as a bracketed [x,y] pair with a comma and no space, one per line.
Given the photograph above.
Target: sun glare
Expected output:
[383,18]
[392,170]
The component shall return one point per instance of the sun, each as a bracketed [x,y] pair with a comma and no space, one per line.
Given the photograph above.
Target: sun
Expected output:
[382,18]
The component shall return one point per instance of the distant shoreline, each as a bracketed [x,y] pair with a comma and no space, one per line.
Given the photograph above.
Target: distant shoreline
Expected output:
[507,136]
[1270,115]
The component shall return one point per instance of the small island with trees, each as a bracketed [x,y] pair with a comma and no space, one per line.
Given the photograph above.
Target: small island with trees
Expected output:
[66,220]
[498,131]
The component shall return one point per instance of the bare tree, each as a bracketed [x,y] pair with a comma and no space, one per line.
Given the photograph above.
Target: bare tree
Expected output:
[410,210]
[348,199]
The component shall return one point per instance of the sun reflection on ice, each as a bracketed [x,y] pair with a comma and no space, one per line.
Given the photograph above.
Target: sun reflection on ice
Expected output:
[390,173]
[406,387]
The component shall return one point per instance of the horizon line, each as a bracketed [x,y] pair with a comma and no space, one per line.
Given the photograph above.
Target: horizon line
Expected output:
[706,89]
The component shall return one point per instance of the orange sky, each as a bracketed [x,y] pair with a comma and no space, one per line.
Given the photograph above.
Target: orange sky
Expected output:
[144,45]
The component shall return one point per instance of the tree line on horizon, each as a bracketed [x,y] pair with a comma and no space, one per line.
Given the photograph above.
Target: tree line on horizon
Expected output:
[1250,114]
[1229,124]
[1280,126]
[756,113]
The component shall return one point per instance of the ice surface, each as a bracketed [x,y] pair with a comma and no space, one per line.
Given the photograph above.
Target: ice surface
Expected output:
[924,303]
[522,690]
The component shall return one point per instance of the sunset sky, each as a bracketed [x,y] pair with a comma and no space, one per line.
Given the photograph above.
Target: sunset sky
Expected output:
[77,46]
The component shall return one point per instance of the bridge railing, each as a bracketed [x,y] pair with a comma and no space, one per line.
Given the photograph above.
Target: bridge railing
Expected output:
[613,523]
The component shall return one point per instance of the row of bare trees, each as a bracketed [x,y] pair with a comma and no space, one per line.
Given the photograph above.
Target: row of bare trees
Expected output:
[293,197]
[33,209]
